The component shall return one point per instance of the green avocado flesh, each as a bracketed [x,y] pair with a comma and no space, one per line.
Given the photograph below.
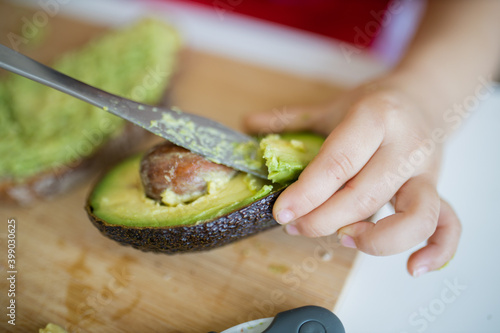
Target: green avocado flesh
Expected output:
[52,328]
[287,155]
[119,197]
[43,129]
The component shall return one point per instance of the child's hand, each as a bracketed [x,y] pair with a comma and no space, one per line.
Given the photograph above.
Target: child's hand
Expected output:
[383,145]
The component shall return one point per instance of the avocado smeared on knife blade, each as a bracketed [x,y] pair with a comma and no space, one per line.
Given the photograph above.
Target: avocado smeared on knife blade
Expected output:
[171,201]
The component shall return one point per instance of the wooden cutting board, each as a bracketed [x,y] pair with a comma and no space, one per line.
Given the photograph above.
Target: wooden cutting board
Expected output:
[67,273]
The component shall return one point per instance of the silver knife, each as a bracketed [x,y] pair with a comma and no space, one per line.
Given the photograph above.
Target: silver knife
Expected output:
[200,135]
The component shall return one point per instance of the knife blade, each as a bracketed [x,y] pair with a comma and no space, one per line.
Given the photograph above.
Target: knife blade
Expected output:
[198,134]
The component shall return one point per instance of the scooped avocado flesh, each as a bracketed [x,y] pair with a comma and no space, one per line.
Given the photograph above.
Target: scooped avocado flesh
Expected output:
[287,155]
[119,197]
[43,129]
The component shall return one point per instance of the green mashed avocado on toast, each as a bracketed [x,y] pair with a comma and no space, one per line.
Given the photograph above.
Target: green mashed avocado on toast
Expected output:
[44,129]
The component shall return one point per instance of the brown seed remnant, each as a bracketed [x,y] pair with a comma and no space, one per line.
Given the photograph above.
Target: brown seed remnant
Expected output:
[175,175]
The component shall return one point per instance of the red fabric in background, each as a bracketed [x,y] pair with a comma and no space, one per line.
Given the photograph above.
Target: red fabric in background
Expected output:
[340,19]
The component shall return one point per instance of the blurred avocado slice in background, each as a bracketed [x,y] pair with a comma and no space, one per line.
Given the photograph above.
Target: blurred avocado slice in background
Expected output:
[47,135]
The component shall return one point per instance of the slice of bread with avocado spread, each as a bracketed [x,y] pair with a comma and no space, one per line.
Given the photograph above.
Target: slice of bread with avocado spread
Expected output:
[50,139]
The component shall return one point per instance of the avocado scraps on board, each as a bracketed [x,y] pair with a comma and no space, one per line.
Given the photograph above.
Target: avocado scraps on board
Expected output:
[171,200]
[51,140]
[52,328]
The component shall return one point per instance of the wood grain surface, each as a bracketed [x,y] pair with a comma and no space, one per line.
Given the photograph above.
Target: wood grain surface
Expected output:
[67,273]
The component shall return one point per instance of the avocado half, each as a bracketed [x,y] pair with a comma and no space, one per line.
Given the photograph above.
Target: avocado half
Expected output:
[118,207]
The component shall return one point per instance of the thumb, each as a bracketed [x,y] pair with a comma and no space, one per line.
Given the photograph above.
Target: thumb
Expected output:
[284,119]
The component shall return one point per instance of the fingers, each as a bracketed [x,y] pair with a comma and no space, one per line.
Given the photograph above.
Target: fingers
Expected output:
[360,198]
[440,247]
[417,209]
[348,148]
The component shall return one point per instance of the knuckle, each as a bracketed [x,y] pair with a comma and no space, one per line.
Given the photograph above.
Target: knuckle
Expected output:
[390,109]
[314,230]
[302,198]
[426,230]
[307,201]
[416,140]
[365,202]
[387,106]
[338,166]
[428,223]
[369,246]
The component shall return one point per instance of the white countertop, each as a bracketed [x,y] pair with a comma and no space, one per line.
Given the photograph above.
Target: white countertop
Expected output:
[380,295]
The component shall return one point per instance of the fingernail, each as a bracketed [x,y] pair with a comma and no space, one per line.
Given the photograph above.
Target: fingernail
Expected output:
[347,241]
[284,216]
[420,271]
[292,230]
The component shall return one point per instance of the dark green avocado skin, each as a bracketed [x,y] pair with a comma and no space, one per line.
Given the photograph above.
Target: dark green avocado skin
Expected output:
[226,229]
